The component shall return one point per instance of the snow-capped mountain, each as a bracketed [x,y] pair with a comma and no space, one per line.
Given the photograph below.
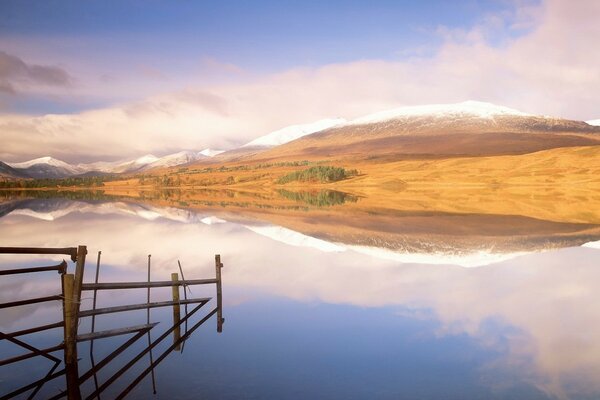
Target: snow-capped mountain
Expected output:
[465,109]
[131,166]
[46,167]
[593,122]
[294,132]
[171,160]
[46,161]
[470,128]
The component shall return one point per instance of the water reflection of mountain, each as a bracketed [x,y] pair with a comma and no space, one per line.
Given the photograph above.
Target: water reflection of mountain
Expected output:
[467,239]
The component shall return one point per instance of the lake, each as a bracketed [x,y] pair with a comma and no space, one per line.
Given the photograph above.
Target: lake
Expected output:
[326,294]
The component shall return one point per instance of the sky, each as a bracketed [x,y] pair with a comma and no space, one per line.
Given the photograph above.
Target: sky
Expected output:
[108,80]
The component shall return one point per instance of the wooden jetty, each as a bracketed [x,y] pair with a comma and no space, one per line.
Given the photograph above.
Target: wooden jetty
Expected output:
[72,286]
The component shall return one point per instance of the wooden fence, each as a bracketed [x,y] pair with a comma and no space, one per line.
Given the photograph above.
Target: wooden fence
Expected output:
[72,286]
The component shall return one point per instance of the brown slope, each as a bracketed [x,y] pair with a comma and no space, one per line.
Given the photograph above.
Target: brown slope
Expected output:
[8,172]
[426,136]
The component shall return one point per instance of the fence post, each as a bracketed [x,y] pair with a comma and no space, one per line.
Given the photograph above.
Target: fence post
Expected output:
[70,338]
[220,318]
[176,310]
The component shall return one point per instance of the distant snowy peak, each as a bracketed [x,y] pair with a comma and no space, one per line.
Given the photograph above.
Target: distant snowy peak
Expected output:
[467,108]
[172,160]
[42,160]
[46,167]
[294,132]
[594,122]
[147,159]
[211,152]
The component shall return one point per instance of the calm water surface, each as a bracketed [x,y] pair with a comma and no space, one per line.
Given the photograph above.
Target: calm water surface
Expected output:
[362,307]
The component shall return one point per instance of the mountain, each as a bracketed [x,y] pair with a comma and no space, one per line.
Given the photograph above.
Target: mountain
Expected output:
[46,167]
[133,165]
[171,160]
[293,132]
[464,129]
[469,128]
[277,138]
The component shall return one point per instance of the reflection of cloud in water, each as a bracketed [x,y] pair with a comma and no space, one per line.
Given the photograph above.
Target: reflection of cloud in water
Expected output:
[544,304]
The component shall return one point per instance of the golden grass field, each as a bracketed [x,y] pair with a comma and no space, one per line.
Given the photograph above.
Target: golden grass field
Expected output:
[560,185]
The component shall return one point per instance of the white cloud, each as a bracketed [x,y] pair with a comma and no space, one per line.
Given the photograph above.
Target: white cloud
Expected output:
[552,68]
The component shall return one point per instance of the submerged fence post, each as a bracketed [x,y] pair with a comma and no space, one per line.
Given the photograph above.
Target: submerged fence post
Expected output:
[176,311]
[74,285]
[148,322]
[70,338]
[220,319]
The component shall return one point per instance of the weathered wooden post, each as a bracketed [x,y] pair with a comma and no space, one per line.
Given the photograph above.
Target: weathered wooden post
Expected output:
[94,302]
[148,322]
[176,310]
[70,339]
[72,299]
[220,319]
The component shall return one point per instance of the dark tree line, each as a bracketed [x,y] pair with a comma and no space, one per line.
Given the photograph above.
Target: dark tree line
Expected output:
[321,174]
[86,181]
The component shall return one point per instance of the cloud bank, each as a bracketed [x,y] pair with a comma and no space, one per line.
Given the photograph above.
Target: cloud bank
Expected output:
[537,58]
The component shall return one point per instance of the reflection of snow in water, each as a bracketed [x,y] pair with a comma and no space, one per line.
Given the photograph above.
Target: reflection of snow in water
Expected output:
[212,220]
[592,245]
[475,259]
[294,238]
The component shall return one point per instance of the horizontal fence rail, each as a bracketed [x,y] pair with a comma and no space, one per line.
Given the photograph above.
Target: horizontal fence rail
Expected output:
[36,329]
[143,285]
[67,251]
[142,306]
[61,268]
[30,301]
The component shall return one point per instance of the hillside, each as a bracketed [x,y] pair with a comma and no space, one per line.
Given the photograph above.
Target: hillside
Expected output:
[6,171]
[463,129]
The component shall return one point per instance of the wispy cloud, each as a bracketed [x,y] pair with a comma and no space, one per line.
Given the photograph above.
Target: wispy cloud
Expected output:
[15,73]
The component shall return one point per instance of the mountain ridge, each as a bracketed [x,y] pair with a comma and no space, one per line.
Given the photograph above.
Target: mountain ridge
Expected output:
[461,129]
[469,128]
[50,167]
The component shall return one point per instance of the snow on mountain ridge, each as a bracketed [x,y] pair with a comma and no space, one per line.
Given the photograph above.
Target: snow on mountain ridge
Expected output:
[593,122]
[147,159]
[473,108]
[43,160]
[294,132]
[211,152]
[171,160]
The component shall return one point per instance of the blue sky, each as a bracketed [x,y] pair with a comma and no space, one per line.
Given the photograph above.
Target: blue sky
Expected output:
[256,35]
[191,74]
